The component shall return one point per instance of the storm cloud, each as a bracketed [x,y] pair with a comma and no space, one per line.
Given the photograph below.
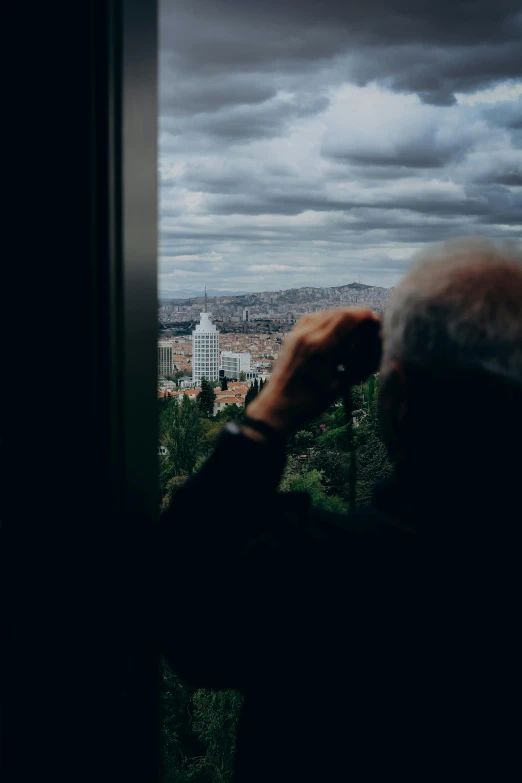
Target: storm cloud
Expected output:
[313,143]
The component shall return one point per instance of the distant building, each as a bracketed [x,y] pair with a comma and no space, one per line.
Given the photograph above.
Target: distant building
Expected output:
[205,349]
[246,314]
[165,364]
[167,385]
[233,364]
[222,403]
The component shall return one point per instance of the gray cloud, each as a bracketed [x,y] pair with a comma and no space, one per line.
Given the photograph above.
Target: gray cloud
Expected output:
[206,94]
[319,141]
[433,49]
[242,123]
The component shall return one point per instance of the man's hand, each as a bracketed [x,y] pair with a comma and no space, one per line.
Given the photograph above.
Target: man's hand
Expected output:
[306,379]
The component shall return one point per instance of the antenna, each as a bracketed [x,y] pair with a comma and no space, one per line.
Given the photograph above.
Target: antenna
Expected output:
[206,308]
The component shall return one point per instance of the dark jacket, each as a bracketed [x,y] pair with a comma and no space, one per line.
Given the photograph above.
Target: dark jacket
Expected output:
[315,617]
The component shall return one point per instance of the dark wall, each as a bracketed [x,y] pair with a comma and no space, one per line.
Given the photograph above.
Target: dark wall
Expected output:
[79,404]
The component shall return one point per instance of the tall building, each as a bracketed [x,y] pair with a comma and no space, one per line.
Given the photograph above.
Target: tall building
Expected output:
[233,364]
[246,314]
[205,349]
[165,364]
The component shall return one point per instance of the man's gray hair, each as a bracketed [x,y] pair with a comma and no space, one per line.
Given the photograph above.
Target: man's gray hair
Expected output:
[460,306]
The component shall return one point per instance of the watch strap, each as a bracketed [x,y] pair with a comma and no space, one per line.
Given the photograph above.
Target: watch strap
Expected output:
[271,434]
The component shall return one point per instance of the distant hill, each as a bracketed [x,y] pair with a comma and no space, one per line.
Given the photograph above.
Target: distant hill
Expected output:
[356,286]
[285,300]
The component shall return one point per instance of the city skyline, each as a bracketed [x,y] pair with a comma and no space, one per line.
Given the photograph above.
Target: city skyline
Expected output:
[304,145]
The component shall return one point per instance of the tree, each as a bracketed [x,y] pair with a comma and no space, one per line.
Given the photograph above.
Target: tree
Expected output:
[224,384]
[242,375]
[335,438]
[230,412]
[352,400]
[206,399]
[299,443]
[261,384]
[311,482]
[215,718]
[198,731]
[180,432]
[370,387]
[180,743]
[251,393]
[335,466]
[210,431]
[372,456]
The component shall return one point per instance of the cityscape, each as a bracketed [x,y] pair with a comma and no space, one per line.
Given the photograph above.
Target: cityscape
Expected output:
[238,338]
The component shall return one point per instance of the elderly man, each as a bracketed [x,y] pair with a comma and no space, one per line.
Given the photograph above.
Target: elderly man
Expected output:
[357,665]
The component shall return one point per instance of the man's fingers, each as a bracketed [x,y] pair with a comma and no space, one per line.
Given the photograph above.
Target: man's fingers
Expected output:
[348,335]
[331,325]
[346,322]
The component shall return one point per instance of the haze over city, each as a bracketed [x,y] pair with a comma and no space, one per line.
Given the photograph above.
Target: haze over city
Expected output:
[297,149]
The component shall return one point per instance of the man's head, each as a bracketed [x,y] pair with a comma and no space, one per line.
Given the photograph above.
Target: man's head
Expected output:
[451,368]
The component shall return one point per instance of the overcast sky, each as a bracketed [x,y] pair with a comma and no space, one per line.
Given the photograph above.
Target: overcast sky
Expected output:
[306,142]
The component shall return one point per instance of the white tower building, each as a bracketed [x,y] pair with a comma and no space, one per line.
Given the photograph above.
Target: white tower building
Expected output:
[205,349]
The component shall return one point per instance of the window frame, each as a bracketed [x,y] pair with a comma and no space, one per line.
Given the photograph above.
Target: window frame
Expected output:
[124,240]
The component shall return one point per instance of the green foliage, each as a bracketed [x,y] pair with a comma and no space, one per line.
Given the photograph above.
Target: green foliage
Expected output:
[300,443]
[335,466]
[242,375]
[336,438]
[357,397]
[252,392]
[345,445]
[210,429]
[199,731]
[230,413]
[215,718]
[180,744]
[180,428]
[200,462]
[370,394]
[311,482]
[224,384]
[206,399]
[169,488]
[373,462]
